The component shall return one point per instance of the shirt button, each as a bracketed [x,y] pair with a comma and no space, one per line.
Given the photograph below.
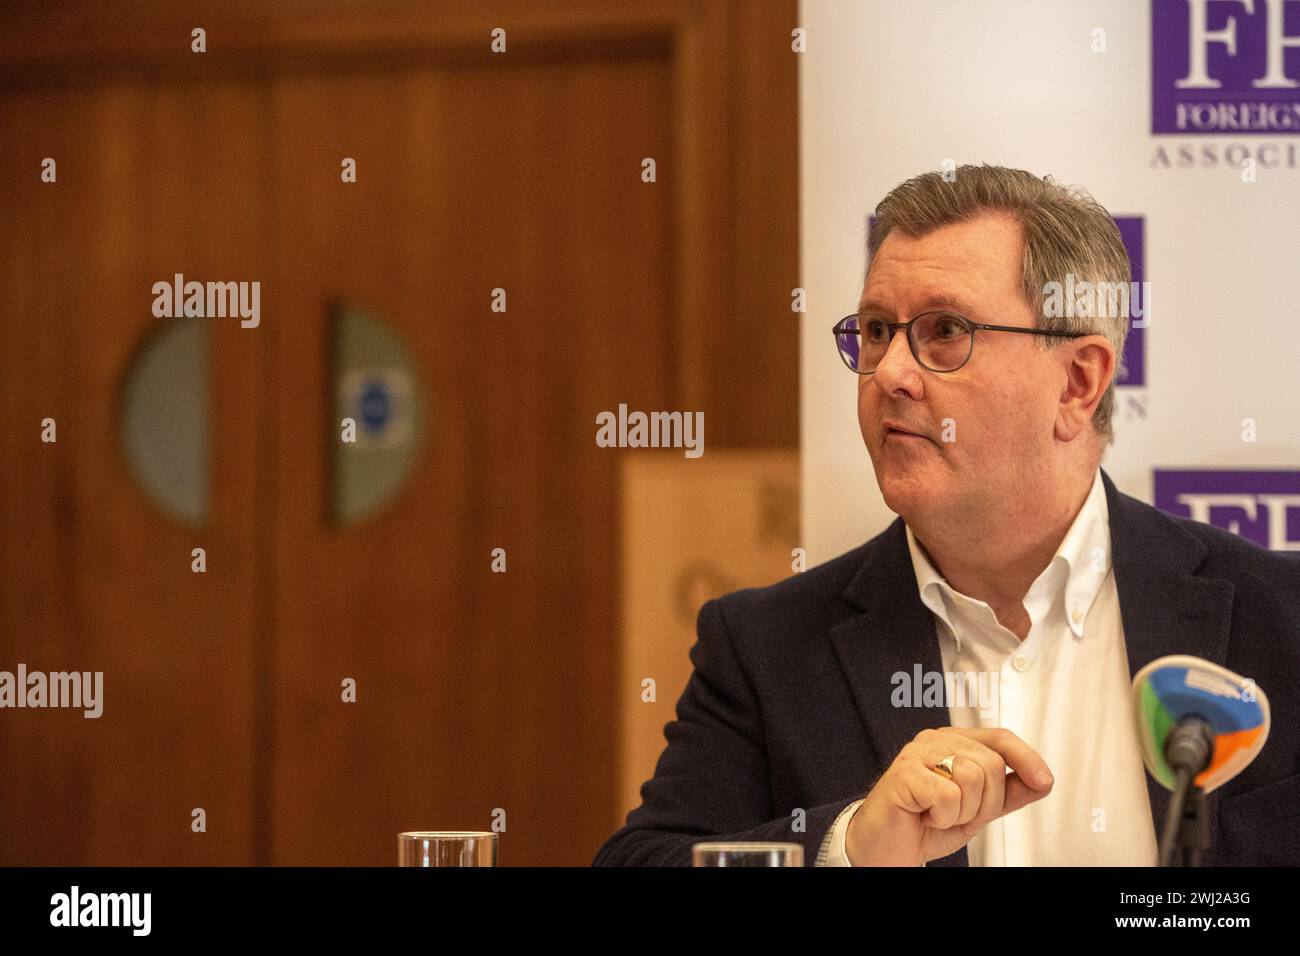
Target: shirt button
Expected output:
[1020,663]
[1077,616]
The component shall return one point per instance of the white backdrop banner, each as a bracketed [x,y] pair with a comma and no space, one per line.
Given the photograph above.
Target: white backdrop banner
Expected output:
[1182,117]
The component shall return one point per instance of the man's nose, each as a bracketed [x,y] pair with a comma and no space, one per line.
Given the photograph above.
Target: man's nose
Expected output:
[898,373]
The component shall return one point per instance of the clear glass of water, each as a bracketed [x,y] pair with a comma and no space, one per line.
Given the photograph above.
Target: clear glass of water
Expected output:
[747,854]
[447,848]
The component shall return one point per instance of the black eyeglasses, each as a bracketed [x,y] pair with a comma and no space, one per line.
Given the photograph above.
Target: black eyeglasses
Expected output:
[940,341]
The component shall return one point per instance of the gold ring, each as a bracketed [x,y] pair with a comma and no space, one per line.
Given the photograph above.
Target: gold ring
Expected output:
[944,767]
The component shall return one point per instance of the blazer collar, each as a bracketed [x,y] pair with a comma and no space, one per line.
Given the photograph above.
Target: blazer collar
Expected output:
[1165,608]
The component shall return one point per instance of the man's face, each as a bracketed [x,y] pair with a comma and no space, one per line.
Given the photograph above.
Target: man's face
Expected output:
[997,411]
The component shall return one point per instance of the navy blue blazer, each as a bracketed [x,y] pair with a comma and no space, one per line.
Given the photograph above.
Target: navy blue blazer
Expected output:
[788,705]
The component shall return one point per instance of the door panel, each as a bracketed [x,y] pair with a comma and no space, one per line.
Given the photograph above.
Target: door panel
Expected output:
[475,690]
[151,181]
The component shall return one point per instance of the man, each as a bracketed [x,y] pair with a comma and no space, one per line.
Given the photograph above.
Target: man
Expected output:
[1015,565]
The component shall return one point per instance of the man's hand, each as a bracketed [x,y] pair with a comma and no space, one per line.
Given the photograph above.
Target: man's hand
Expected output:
[914,814]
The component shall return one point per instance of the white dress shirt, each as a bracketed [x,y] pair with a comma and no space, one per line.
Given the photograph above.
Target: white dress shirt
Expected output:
[1065,691]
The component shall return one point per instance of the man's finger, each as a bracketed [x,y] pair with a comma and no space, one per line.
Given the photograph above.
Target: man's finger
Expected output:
[1019,795]
[1019,756]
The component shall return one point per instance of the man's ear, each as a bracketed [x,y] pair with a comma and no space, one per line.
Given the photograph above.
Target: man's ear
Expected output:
[1089,366]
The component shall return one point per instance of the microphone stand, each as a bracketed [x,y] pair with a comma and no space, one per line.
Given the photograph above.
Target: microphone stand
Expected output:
[1188,750]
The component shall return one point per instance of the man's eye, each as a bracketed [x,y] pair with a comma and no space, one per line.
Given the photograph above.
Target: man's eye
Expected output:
[877,330]
[950,329]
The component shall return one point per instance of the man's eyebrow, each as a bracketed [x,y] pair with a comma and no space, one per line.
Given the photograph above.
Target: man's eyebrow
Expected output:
[929,303]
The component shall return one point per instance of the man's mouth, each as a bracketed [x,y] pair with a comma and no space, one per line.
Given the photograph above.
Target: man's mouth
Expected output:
[897,431]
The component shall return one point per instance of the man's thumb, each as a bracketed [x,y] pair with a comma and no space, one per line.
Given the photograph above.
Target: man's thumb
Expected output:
[1019,794]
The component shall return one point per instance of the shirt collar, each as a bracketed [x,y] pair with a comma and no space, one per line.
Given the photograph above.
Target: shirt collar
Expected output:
[1084,552]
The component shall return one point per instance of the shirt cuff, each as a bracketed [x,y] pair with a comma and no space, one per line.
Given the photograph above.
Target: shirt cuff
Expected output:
[832,850]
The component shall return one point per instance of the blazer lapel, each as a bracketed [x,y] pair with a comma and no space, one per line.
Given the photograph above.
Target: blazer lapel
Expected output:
[1165,608]
[894,633]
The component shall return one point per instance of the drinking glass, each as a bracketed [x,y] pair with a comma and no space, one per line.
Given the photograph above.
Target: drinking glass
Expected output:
[447,848]
[747,854]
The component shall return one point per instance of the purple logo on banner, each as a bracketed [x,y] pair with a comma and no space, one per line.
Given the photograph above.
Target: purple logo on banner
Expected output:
[1133,365]
[1225,66]
[1261,506]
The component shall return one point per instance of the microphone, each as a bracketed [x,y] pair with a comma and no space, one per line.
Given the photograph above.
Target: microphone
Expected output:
[1199,725]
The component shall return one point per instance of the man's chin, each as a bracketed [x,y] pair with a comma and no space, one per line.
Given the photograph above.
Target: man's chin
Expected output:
[906,493]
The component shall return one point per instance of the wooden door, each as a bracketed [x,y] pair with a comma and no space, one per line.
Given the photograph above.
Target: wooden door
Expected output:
[478,693]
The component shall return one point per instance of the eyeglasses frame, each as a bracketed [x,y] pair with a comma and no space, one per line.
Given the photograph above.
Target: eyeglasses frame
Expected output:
[971,327]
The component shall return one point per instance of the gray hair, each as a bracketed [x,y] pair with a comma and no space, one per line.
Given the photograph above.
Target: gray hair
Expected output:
[1066,233]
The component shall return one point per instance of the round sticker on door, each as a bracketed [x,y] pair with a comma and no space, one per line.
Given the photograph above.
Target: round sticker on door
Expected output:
[379,401]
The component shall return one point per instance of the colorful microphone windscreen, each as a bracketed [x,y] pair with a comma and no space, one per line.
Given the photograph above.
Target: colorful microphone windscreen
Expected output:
[1171,688]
